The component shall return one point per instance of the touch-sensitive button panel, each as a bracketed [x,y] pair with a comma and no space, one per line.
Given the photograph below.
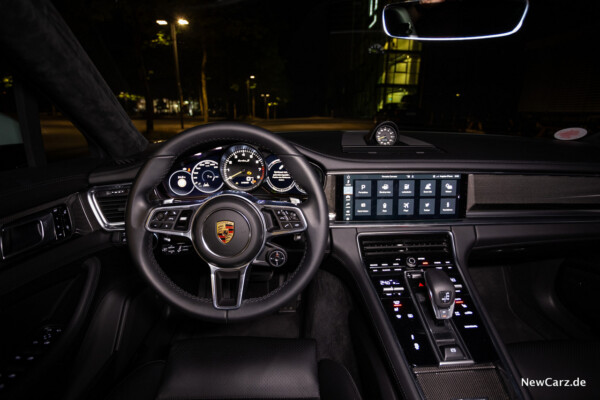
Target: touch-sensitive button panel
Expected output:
[397,265]
[397,197]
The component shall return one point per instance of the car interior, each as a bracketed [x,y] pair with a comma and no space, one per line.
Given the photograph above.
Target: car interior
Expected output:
[235,262]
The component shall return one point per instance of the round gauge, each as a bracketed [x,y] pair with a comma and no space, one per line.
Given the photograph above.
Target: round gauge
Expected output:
[242,167]
[180,183]
[278,178]
[319,174]
[385,135]
[207,177]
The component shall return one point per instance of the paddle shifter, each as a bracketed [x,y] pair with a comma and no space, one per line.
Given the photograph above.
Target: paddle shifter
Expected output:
[441,293]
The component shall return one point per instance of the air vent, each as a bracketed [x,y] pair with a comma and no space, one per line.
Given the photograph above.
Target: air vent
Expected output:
[109,204]
[386,246]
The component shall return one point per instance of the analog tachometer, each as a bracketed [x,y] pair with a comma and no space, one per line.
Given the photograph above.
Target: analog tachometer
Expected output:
[242,167]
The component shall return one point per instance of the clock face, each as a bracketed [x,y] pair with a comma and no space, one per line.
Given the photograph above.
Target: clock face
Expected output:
[385,135]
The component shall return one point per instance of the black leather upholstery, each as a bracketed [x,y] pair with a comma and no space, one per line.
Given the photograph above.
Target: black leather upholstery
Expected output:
[141,384]
[248,368]
[239,368]
[558,361]
[335,382]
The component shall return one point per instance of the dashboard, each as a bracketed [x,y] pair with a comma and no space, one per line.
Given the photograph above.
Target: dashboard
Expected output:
[236,167]
[395,213]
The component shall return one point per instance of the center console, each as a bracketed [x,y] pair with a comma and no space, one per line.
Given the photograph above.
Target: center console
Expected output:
[429,305]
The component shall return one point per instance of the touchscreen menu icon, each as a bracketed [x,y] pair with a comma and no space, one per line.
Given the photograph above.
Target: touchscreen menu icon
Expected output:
[427,187]
[449,188]
[384,207]
[385,188]
[427,206]
[406,188]
[362,188]
[448,206]
[406,207]
[362,207]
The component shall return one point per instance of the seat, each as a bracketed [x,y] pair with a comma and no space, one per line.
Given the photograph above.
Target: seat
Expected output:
[551,363]
[239,368]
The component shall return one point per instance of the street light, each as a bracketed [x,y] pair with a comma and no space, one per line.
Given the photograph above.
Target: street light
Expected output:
[265,97]
[250,111]
[180,21]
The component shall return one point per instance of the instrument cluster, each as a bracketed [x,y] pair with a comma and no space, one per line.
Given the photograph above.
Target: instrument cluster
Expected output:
[237,167]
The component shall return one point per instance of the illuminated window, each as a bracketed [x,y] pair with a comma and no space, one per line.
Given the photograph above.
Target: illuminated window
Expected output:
[400,75]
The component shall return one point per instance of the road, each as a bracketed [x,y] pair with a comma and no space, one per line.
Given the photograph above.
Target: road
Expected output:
[63,140]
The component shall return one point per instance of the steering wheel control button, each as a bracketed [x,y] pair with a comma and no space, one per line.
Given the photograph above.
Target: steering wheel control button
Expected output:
[281,215]
[183,222]
[277,258]
[159,216]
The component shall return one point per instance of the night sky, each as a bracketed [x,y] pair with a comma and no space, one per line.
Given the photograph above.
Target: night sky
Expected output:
[547,67]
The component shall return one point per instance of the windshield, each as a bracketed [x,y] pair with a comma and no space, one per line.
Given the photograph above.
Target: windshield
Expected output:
[328,65]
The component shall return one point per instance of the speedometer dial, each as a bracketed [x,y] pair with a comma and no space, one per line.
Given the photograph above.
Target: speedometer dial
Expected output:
[207,177]
[242,167]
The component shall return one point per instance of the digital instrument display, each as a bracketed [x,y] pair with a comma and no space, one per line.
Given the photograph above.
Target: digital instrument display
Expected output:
[403,196]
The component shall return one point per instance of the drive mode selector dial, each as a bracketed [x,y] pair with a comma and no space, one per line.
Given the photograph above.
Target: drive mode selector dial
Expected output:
[242,168]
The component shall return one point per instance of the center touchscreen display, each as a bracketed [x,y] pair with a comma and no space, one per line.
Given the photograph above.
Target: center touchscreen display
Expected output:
[400,196]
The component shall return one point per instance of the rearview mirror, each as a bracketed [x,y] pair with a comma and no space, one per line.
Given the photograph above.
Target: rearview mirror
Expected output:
[454,19]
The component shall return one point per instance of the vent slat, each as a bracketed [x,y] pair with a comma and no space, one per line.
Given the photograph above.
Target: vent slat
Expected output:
[112,206]
[376,246]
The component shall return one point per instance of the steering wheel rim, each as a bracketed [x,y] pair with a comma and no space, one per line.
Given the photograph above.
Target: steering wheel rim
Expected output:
[140,209]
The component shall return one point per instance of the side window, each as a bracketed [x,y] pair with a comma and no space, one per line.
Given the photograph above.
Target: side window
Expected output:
[12,153]
[9,124]
[60,139]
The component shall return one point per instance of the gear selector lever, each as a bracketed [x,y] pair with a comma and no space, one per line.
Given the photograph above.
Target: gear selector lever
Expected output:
[441,293]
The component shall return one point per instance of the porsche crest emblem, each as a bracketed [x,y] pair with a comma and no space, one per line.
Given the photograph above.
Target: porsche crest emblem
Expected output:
[225,231]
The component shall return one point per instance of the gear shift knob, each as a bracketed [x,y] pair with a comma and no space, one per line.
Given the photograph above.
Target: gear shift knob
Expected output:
[441,293]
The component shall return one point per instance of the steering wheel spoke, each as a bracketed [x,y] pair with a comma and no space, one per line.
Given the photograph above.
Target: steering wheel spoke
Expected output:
[172,219]
[227,286]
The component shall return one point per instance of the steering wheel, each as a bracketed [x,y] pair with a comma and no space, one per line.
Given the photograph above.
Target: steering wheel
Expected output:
[230,230]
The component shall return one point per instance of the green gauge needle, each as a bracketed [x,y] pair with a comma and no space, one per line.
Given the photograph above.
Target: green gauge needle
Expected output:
[234,175]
